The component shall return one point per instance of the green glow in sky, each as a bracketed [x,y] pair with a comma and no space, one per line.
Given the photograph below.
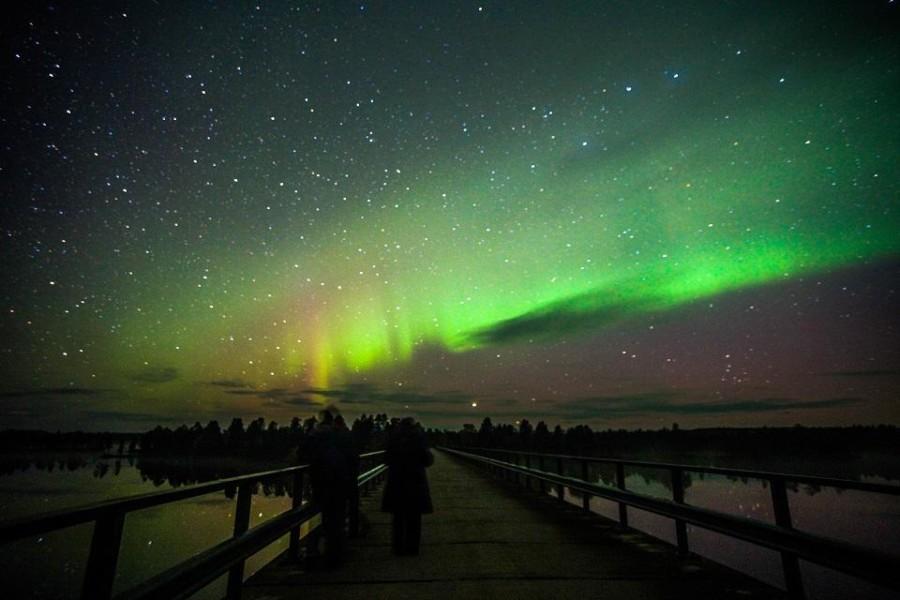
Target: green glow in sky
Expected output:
[572,237]
[303,209]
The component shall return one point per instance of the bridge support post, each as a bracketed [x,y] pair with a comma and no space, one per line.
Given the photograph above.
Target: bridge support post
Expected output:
[364,467]
[103,557]
[560,489]
[541,466]
[515,475]
[241,524]
[296,502]
[678,496]
[585,474]
[620,483]
[793,580]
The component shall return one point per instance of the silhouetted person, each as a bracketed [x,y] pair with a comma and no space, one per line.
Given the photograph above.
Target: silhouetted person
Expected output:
[406,495]
[347,445]
[330,470]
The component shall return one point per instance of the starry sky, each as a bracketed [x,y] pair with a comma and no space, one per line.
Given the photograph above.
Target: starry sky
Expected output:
[626,214]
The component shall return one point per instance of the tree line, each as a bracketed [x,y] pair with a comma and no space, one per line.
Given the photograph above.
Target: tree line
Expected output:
[621,443]
[269,440]
[257,440]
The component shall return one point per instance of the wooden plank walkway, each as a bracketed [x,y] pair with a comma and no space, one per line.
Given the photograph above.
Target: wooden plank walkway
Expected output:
[490,539]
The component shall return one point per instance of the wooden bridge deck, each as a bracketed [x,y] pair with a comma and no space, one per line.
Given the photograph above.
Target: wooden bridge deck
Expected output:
[489,540]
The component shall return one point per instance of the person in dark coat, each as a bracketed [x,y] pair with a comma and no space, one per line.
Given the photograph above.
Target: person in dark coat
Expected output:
[347,444]
[329,472]
[406,495]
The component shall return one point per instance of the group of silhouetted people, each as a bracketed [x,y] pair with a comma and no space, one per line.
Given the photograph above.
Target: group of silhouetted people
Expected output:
[334,470]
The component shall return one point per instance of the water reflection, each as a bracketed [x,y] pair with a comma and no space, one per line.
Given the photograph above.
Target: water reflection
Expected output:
[871,467]
[862,518]
[177,472]
[156,472]
[154,538]
[52,566]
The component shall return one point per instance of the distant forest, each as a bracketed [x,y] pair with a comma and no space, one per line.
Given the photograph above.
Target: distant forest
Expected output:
[203,452]
[257,440]
[621,443]
[264,440]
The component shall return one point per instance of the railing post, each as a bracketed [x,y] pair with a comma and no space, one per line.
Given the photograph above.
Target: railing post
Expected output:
[620,483]
[367,485]
[560,489]
[793,581]
[241,524]
[517,477]
[104,554]
[678,496]
[528,466]
[542,468]
[585,474]
[353,505]
[296,502]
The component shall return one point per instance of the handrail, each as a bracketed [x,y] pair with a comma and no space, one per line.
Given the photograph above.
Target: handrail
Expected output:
[849,484]
[34,525]
[871,565]
[109,518]
[198,571]
[15,529]
[188,577]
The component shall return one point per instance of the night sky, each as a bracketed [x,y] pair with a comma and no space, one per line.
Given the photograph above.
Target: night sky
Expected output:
[626,214]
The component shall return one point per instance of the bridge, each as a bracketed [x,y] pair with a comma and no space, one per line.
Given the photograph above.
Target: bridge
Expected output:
[497,532]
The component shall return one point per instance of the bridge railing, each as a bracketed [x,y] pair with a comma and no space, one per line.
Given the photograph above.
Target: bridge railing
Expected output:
[193,574]
[868,564]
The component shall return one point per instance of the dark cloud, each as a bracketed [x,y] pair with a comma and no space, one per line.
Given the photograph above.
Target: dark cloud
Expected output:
[582,312]
[69,391]
[363,393]
[275,393]
[278,396]
[141,417]
[155,375]
[270,393]
[417,398]
[352,393]
[665,403]
[616,406]
[229,383]
[302,401]
[862,373]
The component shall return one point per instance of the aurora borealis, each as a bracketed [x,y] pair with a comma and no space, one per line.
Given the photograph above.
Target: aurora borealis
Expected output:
[616,212]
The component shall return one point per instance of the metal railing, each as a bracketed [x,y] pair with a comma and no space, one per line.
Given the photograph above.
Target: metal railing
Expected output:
[193,574]
[868,564]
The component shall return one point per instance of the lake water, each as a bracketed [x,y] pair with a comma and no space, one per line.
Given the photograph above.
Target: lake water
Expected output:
[864,518]
[155,539]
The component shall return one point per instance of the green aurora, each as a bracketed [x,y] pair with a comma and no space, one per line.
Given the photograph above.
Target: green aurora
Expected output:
[579,238]
[322,196]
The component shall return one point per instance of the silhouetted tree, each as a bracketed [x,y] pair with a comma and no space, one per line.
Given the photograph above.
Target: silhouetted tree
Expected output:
[210,439]
[235,437]
[541,438]
[486,433]
[525,431]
